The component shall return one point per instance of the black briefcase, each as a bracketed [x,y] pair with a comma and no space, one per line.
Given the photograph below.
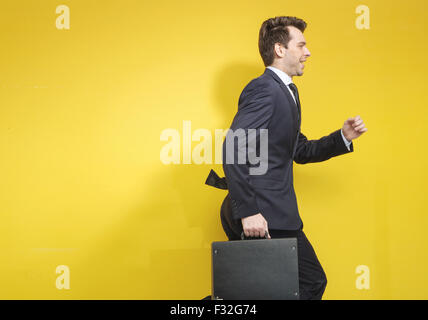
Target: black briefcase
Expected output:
[263,269]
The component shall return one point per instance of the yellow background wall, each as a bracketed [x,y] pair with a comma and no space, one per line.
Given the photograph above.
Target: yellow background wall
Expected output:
[82,110]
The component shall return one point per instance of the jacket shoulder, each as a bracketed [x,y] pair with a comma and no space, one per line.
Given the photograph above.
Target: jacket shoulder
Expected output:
[260,87]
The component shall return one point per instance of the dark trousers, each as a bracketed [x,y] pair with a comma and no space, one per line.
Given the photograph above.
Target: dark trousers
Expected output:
[312,278]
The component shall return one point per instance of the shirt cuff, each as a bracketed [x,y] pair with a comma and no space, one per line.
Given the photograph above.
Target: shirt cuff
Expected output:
[347,143]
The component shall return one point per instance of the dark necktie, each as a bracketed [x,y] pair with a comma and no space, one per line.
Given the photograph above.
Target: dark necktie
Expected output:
[293,88]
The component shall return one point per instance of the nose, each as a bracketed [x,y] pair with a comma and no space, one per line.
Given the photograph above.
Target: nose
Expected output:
[307,53]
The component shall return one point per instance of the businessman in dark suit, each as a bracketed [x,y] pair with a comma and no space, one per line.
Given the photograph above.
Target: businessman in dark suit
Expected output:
[261,199]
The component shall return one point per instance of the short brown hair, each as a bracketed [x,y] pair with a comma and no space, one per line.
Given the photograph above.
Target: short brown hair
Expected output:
[275,30]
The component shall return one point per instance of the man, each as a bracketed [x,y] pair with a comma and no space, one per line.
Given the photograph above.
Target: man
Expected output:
[265,204]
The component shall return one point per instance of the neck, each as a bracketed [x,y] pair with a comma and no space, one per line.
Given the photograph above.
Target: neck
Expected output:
[282,68]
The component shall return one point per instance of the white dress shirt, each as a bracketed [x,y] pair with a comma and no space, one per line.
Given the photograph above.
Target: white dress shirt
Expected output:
[287,80]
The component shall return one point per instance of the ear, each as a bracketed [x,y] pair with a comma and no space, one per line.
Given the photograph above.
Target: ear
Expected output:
[279,50]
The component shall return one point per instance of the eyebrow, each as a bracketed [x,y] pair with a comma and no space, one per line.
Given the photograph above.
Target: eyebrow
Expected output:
[302,42]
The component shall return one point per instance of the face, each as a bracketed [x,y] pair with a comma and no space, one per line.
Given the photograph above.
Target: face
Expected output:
[291,60]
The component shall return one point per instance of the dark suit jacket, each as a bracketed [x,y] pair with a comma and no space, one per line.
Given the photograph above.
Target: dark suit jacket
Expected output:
[266,103]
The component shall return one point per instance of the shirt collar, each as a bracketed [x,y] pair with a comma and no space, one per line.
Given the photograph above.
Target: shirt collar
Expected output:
[282,75]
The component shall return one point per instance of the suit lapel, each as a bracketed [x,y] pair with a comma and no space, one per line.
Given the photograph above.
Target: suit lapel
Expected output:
[292,104]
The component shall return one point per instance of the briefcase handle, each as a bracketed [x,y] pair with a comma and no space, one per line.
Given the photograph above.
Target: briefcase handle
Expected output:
[243,237]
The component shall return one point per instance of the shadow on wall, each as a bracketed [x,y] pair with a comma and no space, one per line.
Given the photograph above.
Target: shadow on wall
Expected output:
[228,85]
[159,250]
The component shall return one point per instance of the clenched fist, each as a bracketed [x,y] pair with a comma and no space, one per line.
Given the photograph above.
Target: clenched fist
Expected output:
[255,226]
[353,128]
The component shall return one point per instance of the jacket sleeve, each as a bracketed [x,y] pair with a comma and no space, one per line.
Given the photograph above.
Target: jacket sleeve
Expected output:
[322,149]
[255,110]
